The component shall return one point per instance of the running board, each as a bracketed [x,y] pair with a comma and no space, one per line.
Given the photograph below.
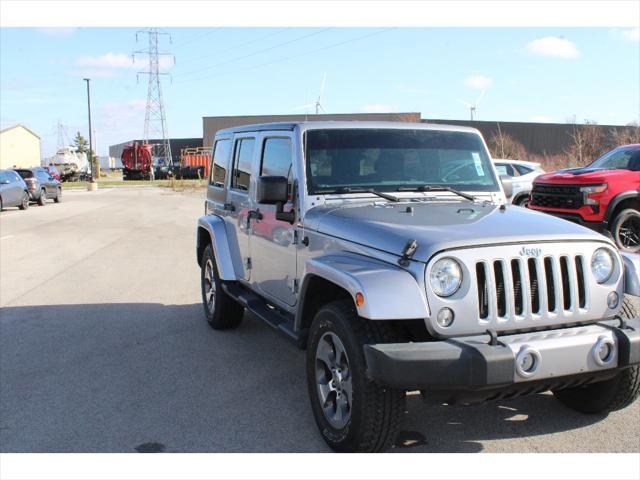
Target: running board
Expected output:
[272,317]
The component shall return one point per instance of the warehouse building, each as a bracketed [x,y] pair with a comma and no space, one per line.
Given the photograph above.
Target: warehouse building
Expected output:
[210,125]
[19,148]
[537,138]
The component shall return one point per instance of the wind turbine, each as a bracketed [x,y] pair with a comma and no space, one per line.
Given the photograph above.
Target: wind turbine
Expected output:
[317,105]
[473,106]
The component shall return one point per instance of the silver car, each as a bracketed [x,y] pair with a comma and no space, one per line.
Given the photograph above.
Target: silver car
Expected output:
[13,190]
[388,251]
[521,174]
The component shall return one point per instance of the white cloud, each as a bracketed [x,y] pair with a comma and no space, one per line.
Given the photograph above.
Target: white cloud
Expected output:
[377,108]
[558,47]
[541,119]
[632,35]
[58,31]
[478,82]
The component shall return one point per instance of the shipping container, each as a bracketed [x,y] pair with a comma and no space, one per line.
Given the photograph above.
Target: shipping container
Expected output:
[196,157]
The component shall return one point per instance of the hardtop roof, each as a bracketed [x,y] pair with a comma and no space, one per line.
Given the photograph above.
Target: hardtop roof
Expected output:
[335,124]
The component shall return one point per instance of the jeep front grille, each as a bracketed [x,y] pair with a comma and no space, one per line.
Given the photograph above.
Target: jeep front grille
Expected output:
[508,290]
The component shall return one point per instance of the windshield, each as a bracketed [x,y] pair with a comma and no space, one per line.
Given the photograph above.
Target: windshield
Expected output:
[619,159]
[396,159]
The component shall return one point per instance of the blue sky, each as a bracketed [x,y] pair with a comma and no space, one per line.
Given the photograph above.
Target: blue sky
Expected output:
[528,74]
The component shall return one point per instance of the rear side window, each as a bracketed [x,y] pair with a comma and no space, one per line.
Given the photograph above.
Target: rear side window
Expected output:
[220,163]
[242,156]
[25,173]
[523,170]
[276,157]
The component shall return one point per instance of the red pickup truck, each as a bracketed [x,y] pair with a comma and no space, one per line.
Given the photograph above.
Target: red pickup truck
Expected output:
[604,195]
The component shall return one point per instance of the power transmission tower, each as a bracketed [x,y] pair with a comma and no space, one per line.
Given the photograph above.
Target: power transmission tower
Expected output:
[155,119]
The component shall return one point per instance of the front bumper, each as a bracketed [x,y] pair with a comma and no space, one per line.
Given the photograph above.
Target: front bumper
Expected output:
[471,364]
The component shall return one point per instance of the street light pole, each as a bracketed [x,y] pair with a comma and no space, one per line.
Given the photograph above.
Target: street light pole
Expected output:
[88,80]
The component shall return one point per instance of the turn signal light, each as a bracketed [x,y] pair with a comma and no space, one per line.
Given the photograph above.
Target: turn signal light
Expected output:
[359,299]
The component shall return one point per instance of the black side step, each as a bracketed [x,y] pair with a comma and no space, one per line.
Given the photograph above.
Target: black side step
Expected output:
[261,309]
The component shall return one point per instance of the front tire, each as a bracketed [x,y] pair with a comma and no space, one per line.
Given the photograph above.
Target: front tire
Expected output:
[609,395]
[353,413]
[625,230]
[42,199]
[221,311]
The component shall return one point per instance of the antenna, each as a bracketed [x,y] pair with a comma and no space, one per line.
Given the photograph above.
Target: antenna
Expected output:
[155,119]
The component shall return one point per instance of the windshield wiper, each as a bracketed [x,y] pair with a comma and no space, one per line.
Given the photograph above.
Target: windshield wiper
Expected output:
[359,190]
[437,188]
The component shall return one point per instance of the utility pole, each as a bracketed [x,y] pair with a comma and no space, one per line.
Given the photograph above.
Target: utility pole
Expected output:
[88,80]
[155,120]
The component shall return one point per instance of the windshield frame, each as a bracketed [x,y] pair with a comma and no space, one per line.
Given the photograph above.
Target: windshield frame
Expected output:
[313,189]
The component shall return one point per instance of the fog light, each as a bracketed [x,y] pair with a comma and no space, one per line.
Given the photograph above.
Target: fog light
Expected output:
[527,361]
[604,351]
[612,300]
[445,317]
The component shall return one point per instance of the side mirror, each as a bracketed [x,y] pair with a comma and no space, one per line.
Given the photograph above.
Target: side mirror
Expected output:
[271,190]
[507,186]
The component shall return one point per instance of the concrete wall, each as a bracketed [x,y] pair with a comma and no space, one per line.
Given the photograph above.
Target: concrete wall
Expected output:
[210,125]
[19,147]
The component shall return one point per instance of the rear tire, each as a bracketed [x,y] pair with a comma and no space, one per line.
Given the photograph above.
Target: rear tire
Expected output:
[25,201]
[369,420]
[625,230]
[58,198]
[222,311]
[42,199]
[609,395]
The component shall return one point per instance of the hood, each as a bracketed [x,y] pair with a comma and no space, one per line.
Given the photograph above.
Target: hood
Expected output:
[440,226]
[582,176]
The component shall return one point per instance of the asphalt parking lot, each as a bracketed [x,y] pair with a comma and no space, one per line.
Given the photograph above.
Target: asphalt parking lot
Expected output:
[104,348]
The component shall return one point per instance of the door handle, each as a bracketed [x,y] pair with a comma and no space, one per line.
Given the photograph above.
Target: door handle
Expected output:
[229,206]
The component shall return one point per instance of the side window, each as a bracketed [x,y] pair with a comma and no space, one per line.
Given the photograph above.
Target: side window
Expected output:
[522,169]
[220,163]
[242,156]
[276,157]
[4,177]
[505,170]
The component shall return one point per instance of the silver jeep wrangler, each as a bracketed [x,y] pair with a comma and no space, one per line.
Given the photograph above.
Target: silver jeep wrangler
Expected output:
[387,250]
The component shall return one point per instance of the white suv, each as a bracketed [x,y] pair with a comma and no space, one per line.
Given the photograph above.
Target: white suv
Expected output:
[521,174]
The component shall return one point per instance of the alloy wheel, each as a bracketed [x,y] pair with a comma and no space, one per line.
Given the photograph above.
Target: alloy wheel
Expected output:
[333,380]
[210,285]
[629,232]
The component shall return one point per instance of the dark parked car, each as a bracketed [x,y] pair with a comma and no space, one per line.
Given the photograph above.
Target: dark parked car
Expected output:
[41,185]
[13,190]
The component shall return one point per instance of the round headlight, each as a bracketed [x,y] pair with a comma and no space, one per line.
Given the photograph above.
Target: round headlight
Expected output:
[602,265]
[445,277]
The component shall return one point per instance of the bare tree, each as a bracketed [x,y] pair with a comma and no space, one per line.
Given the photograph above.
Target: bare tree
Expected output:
[502,145]
[625,135]
[588,142]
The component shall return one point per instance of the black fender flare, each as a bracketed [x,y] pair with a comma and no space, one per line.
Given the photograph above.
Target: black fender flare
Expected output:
[621,197]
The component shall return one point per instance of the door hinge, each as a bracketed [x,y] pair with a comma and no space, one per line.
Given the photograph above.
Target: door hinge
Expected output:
[296,286]
[247,263]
